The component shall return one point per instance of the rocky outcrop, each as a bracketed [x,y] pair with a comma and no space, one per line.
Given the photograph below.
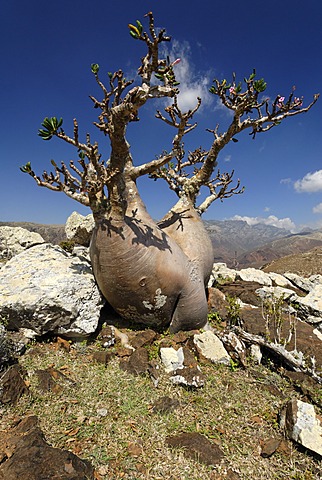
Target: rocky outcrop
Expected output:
[25,454]
[303,294]
[47,290]
[14,240]
[79,229]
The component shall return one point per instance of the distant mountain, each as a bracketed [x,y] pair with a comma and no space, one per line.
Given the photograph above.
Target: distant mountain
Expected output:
[235,243]
[276,249]
[231,239]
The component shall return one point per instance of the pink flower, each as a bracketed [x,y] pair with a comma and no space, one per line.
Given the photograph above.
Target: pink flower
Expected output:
[280,101]
[298,101]
[178,60]
[232,90]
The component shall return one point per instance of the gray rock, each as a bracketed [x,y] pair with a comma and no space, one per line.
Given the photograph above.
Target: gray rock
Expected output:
[220,271]
[254,275]
[302,425]
[275,293]
[172,359]
[211,347]
[14,240]
[305,284]
[311,305]
[256,354]
[46,290]
[279,280]
[79,228]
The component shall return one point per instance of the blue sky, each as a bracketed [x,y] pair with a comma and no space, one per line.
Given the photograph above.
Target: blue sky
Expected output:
[46,52]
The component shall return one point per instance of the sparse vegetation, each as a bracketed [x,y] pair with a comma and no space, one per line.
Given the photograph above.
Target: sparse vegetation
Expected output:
[233,311]
[106,415]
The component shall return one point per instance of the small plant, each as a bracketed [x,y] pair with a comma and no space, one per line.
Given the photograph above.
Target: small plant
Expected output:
[233,365]
[274,315]
[67,245]
[233,310]
[214,319]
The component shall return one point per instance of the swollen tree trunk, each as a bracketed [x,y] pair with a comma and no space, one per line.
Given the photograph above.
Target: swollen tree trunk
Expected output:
[184,225]
[142,272]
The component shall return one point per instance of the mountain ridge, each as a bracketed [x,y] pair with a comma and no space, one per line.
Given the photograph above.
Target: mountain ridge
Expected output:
[235,243]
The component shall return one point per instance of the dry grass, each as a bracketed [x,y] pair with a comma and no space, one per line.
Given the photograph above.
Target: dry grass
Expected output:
[107,417]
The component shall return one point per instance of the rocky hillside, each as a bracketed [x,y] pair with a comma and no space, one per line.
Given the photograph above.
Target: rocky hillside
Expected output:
[304,264]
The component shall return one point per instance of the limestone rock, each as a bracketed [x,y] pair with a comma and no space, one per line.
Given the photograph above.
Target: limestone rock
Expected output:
[172,359]
[276,292]
[79,228]
[254,275]
[46,290]
[305,284]
[211,347]
[311,305]
[220,272]
[302,425]
[279,280]
[14,240]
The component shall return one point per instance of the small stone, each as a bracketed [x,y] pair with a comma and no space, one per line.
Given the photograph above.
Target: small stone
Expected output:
[138,362]
[188,377]
[12,385]
[269,447]
[146,337]
[211,348]
[256,354]
[172,359]
[102,412]
[102,357]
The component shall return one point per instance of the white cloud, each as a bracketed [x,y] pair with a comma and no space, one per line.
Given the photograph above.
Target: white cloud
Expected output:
[286,181]
[317,208]
[270,220]
[192,84]
[227,158]
[311,182]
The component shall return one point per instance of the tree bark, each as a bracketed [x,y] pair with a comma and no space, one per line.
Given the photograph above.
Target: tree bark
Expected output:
[184,224]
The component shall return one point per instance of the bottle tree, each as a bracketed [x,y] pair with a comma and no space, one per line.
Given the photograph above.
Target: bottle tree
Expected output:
[155,273]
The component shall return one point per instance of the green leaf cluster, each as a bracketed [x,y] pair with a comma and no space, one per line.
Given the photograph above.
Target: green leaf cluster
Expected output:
[136,30]
[260,85]
[95,68]
[51,125]
[26,168]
